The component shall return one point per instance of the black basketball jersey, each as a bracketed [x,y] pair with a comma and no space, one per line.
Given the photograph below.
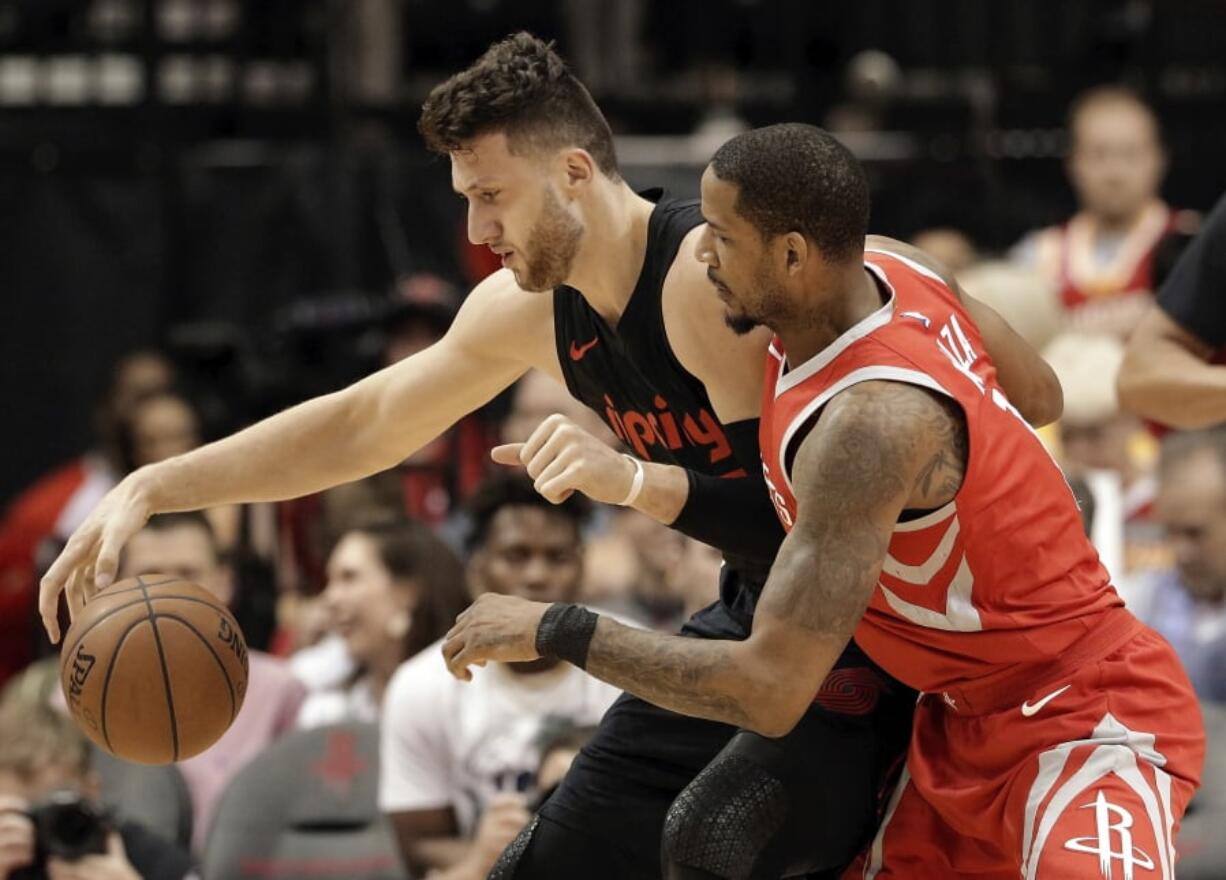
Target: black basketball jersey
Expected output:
[629,374]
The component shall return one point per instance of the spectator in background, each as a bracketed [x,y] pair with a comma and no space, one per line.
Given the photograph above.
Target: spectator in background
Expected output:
[949,246]
[183,545]
[649,573]
[393,588]
[1108,448]
[1187,604]
[160,425]
[1101,259]
[41,752]
[559,743]
[54,506]
[445,471]
[1172,371]
[450,748]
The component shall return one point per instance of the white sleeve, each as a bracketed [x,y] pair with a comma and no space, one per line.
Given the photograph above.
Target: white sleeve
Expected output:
[414,757]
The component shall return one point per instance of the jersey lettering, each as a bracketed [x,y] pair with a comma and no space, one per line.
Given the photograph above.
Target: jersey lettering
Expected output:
[642,431]
[955,346]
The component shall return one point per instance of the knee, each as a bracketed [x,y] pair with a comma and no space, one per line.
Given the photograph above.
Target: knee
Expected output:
[720,824]
[508,863]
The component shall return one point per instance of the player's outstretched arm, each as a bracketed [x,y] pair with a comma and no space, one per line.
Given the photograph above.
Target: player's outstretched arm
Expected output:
[332,439]
[877,447]
[1166,375]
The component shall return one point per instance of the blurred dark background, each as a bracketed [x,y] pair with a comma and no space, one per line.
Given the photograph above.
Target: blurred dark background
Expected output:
[240,183]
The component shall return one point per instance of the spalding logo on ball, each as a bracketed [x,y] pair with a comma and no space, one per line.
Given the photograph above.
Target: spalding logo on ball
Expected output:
[154,669]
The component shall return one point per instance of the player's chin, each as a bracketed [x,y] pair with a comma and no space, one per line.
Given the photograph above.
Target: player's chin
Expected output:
[739,322]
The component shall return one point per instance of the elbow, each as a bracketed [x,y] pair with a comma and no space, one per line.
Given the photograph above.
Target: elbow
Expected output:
[777,715]
[1045,404]
[1051,403]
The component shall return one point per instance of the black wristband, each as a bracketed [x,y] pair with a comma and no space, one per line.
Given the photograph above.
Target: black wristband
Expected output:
[565,632]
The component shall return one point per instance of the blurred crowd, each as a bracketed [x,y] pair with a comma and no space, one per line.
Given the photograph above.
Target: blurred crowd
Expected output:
[352,724]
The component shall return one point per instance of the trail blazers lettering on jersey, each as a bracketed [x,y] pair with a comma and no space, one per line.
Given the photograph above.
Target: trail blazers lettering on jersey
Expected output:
[641,431]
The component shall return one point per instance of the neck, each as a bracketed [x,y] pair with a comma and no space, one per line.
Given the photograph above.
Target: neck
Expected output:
[1119,224]
[844,297]
[614,246]
[380,670]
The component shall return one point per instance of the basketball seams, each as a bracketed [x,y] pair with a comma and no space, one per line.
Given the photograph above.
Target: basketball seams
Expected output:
[170,699]
[110,668]
[112,611]
[67,652]
[225,673]
[110,623]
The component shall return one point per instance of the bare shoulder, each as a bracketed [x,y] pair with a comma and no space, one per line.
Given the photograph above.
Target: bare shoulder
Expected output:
[731,367]
[910,252]
[500,319]
[878,439]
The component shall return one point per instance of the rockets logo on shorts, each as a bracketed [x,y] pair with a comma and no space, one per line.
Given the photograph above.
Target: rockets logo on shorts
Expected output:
[1113,840]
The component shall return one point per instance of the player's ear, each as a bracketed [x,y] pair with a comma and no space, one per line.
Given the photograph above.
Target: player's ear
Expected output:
[797,253]
[579,167]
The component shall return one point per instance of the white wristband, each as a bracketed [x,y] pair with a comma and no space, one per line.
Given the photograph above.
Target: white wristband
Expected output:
[636,485]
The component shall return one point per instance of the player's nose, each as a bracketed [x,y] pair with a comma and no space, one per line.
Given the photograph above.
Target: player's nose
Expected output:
[482,228]
[704,248]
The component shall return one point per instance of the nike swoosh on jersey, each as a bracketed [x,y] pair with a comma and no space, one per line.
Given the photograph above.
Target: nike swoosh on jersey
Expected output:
[578,351]
[1029,708]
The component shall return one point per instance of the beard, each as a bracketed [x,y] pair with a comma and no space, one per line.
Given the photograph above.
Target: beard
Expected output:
[552,246]
[746,320]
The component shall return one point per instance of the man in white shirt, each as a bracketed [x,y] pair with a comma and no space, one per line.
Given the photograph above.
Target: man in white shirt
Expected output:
[451,749]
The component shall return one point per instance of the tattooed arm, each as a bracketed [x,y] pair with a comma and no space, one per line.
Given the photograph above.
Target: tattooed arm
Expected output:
[878,448]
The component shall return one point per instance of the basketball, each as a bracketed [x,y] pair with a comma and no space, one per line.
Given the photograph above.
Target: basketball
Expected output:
[154,669]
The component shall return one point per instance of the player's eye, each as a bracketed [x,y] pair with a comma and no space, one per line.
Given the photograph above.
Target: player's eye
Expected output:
[488,196]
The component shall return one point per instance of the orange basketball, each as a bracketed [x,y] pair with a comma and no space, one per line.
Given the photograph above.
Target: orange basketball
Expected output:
[154,669]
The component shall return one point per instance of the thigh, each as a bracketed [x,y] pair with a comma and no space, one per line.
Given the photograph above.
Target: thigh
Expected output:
[914,842]
[803,803]
[548,850]
[1105,812]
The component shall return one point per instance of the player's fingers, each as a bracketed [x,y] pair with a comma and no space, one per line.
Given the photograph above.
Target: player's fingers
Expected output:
[548,474]
[544,431]
[57,580]
[74,592]
[507,453]
[107,563]
[558,487]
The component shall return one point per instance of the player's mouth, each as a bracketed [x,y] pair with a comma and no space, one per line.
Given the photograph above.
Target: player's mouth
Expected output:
[721,289]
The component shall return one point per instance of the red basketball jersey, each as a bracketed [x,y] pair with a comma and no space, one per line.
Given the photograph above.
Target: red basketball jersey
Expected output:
[1002,575]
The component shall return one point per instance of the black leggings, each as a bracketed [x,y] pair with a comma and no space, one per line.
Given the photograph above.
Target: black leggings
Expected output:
[743,807]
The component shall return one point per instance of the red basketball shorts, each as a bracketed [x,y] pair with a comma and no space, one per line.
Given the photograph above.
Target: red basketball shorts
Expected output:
[1086,778]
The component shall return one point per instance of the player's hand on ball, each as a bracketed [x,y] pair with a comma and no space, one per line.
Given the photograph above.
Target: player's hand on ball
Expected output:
[89,561]
[495,627]
[563,458]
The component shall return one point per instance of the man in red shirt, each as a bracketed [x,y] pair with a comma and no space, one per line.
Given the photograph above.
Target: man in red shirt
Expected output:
[1101,259]
[1057,736]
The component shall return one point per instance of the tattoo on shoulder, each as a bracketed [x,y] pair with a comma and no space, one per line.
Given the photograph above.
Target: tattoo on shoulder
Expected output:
[863,461]
[941,478]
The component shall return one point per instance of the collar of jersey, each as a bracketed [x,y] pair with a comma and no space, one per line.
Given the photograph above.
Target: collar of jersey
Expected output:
[790,378]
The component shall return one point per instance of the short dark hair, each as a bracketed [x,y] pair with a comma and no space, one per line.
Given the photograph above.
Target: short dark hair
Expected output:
[797,178]
[515,490]
[521,87]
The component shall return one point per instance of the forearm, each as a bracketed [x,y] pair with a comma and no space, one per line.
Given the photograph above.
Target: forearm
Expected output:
[705,678]
[1169,384]
[304,449]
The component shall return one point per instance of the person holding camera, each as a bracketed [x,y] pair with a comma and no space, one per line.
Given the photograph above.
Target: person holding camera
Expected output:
[51,824]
